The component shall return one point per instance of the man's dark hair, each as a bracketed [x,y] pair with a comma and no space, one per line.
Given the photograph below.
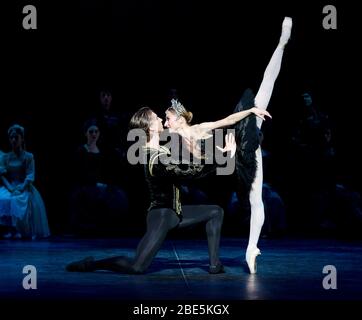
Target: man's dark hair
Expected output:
[142,120]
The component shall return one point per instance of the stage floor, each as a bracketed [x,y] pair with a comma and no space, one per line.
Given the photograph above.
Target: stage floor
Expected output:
[288,269]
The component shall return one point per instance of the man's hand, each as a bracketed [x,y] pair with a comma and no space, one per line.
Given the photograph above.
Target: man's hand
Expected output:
[230,144]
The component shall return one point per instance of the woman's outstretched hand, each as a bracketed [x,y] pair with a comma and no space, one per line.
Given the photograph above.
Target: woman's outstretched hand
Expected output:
[260,113]
[230,144]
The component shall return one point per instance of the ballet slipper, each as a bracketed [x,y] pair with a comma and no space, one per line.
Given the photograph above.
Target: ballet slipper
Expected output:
[218,268]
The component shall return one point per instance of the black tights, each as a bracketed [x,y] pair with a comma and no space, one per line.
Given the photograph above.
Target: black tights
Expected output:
[159,223]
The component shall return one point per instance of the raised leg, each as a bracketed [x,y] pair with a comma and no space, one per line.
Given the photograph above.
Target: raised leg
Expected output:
[272,70]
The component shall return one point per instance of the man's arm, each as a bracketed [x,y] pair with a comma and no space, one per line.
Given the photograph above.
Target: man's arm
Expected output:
[162,165]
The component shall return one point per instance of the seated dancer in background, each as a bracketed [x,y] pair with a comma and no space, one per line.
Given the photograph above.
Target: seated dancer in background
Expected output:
[97,203]
[21,205]
[249,166]
[165,212]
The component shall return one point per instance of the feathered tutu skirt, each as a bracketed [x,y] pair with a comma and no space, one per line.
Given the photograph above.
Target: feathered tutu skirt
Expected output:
[247,136]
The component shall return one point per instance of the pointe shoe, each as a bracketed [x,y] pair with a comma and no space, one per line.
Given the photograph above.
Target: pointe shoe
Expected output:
[251,259]
[286,31]
[83,265]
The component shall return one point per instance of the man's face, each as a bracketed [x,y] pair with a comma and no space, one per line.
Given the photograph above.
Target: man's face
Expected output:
[106,99]
[156,123]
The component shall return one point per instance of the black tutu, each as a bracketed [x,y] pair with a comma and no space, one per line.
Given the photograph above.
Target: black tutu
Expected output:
[247,136]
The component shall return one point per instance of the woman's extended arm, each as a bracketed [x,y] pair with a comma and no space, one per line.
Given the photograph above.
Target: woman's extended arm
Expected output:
[232,119]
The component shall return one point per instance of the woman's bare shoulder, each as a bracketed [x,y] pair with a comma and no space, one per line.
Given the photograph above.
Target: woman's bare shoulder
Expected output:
[200,132]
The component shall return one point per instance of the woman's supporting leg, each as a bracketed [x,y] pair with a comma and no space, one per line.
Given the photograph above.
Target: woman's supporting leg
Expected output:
[257,214]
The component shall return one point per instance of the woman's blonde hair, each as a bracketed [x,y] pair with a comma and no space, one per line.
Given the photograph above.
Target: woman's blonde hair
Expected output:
[179,110]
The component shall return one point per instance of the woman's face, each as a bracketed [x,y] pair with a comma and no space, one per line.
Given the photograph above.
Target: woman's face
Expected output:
[172,120]
[92,134]
[16,140]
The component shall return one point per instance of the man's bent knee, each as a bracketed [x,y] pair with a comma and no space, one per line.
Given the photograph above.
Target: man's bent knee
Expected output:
[217,212]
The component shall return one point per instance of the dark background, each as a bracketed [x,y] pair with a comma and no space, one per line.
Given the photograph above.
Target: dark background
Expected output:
[209,51]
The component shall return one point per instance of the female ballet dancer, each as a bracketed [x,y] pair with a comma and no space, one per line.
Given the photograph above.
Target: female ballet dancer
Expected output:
[249,159]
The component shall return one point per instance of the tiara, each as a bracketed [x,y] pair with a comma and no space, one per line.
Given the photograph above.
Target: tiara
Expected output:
[178,107]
